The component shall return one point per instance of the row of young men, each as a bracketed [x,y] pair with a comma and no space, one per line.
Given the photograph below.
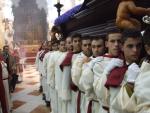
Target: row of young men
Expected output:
[85,79]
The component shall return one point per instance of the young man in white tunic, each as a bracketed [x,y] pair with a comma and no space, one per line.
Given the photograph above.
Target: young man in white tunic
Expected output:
[142,83]
[53,78]
[79,64]
[95,69]
[42,68]
[134,95]
[69,90]
[45,63]
[38,63]
[123,76]
[98,47]
[65,97]
[47,69]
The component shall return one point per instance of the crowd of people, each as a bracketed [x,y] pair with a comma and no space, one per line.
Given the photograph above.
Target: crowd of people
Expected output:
[94,74]
[10,69]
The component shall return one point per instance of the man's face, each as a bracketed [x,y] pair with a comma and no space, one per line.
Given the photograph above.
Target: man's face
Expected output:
[69,43]
[147,48]
[132,48]
[44,46]
[6,49]
[62,47]
[86,47]
[97,47]
[50,46]
[76,42]
[114,43]
[52,34]
[55,47]
[0,51]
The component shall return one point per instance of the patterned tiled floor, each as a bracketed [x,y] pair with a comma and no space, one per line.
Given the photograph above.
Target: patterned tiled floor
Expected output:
[26,98]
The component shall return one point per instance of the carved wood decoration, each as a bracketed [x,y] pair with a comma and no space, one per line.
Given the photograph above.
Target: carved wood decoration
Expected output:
[30,23]
[96,15]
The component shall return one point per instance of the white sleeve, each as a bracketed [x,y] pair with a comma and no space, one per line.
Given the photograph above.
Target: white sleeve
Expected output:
[142,87]
[51,72]
[122,102]
[99,84]
[45,59]
[140,99]
[76,71]
[87,79]
[66,80]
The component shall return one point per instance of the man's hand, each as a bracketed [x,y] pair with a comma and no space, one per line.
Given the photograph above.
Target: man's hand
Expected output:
[86,59]
[115,62]
[132,72]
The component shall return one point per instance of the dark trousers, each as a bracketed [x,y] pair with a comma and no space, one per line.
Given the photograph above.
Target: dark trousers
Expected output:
[13,82]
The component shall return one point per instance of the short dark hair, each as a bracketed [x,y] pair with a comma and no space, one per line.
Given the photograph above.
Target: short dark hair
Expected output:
[146,36]
[55,42]
[75,35]
[5,46]
[131,33]
[86,37]
[111,31]
[61,40]
[56,29]
[97,38]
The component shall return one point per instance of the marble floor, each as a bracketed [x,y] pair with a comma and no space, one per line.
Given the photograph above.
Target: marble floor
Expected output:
[26,97]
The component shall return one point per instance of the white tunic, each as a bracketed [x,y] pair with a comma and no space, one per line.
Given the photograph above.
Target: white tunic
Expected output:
[72,104]
[142,89]
[51,81]
[45,65]
[54,80]
[37,60]
[86,82]
[6,86]
[77,68]
[139,102]
[99,82]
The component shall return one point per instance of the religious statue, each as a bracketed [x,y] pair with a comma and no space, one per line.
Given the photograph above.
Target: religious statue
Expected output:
[127,8]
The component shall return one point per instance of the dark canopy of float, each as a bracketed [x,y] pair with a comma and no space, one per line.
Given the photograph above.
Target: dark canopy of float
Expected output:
[94,17]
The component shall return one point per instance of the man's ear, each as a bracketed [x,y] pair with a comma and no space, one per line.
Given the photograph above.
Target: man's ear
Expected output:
[147,48]
[122,48]
[106,44]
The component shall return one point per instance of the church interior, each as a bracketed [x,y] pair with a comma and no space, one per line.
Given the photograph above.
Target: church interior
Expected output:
[28,26]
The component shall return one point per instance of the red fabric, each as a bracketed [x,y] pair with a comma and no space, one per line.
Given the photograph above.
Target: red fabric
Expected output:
[67,60]
[1,58]
[43,54]
[106,108]
[89,107]
[78,102]
[120,56]
[73,87]
[116,77]
[2,93]
[109,56]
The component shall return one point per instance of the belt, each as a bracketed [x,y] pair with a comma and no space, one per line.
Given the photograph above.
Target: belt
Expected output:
[73,87]
[106,108]
[95,100]
[5,79]
[82,91]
